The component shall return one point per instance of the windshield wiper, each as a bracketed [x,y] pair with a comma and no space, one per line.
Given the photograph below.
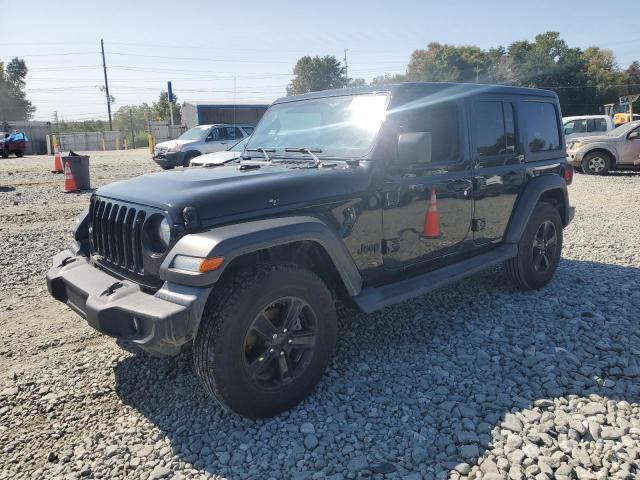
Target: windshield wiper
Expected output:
[310,151]
[263,151]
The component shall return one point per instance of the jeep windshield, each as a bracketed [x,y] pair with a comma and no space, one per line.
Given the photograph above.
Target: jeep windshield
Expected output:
[340,127]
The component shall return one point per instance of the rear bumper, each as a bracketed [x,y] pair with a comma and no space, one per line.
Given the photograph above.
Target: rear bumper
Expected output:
[160,323]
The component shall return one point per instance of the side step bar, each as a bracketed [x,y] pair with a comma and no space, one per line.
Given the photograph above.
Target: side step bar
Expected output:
[371,299]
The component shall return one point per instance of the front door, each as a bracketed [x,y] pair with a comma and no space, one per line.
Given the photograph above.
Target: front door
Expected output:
[630,148]
[427,207]
[216,140]
[498,167]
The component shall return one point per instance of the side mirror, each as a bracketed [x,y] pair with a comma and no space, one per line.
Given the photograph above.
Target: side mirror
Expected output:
[414,148]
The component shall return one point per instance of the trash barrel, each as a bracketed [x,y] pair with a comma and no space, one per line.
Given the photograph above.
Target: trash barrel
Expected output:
[79,165]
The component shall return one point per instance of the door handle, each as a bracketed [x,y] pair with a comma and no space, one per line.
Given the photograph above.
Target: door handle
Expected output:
[521,158]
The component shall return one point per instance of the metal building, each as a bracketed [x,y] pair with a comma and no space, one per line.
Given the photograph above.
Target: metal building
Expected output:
[196,113]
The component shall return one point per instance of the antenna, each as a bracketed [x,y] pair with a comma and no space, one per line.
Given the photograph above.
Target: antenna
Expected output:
[346,66]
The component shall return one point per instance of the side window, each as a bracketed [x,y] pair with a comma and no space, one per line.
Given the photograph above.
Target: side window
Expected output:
[599,125]
[494,128]
[236,133]
[489,128]
[249,130]
[509,127]
[542,126]
[215,135]
[442,121]
[575,126]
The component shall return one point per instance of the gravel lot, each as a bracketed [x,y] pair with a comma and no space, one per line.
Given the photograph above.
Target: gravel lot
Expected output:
[474,381]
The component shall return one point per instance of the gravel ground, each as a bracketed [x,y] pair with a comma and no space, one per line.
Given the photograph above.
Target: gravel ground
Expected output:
[474,381]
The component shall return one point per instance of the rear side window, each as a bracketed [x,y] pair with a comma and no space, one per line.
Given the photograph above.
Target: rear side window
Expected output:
[599,125]
[542,126]
[494,128]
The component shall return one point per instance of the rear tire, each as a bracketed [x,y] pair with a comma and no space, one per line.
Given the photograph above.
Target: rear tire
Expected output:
[262,356]
[596,163]
[539,250]
[19,154]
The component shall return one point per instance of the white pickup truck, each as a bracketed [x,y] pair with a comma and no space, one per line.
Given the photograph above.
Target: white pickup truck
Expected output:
[586,125]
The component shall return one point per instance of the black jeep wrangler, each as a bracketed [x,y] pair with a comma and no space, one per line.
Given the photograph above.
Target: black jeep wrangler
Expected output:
[370,196]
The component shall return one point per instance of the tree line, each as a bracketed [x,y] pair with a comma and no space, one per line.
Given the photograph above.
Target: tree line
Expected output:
[584,80]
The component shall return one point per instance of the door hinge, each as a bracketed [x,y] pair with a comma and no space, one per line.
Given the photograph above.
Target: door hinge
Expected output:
[477,224]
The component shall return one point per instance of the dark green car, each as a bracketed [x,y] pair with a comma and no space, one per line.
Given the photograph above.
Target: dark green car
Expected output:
[367,196]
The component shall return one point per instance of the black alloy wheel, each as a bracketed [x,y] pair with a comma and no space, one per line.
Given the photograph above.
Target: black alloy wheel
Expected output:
[279,343]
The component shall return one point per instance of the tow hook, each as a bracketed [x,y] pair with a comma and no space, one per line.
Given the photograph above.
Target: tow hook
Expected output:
[67,261]
[112,288]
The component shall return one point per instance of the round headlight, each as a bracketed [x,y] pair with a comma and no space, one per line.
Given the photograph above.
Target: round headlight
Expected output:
[164,232]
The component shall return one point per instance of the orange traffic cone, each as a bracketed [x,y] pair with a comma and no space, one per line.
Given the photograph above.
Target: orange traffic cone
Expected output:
[69,181]
[432,219]
[57,160]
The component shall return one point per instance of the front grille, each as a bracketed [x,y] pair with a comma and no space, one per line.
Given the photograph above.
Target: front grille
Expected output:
[116,234]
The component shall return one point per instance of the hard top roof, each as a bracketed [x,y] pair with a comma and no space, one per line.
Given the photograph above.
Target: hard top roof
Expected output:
[426,88]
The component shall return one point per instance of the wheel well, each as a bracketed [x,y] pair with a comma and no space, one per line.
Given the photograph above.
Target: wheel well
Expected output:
[555,197]
[601,151]
[308,254]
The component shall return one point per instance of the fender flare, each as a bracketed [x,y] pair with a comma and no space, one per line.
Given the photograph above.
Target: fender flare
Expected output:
[528,200]
[590,147]
[232,241]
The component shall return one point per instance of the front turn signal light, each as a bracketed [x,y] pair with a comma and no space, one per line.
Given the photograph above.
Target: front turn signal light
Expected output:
[196,264]
[210,264]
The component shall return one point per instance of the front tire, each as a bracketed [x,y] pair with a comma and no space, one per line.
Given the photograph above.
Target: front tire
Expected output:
[265,339]
[19,154]
[188,157]
[596,163]
[539,250]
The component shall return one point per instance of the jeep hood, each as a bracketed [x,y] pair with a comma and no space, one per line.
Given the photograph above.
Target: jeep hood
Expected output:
[231,191]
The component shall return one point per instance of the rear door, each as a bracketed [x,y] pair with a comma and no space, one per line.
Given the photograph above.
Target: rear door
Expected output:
[498,166]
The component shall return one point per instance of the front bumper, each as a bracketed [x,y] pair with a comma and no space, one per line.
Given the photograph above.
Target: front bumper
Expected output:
[169,159]
[159,323]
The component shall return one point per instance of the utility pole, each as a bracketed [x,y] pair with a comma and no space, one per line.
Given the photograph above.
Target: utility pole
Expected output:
[106,84]
[346,65]
[477,71]
[133,133]
[55,116]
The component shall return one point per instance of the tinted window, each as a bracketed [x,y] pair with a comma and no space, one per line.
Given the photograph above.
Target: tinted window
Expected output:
[599,125]
[249,130]
[442,121]
[494,128]
[575,126]
[542,126]
[509,127]
[489,128]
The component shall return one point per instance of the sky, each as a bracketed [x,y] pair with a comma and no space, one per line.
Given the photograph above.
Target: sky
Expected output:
[205,47]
